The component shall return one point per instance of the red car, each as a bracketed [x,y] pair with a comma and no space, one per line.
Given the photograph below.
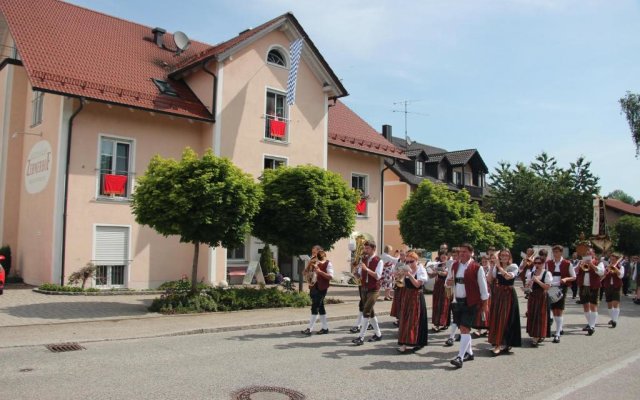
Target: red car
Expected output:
[1,274]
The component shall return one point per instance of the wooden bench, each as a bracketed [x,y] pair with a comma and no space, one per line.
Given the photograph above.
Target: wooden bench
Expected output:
[236,273]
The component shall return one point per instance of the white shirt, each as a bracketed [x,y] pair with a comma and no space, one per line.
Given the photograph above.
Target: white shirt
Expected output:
[546,274]
[379,269]
[386,258]
[329,270]
[556,279]
[512,269]
[587,278]
[460,291]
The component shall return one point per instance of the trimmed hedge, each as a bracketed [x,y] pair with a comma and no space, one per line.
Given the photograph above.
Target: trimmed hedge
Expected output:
[230,299]
[52,287]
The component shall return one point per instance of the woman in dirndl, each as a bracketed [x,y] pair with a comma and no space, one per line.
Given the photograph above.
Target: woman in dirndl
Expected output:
[537,282]
[504,317]
[441,316]
[413,312]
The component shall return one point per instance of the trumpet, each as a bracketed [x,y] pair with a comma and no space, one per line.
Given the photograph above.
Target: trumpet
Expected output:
[310,275]
[401,271]
[613,269]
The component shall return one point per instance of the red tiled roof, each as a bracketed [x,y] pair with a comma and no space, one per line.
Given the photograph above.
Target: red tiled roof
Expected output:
[79,52]
[347,129]
[622,206]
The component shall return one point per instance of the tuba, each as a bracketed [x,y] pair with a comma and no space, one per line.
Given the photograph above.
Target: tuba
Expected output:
[357,258]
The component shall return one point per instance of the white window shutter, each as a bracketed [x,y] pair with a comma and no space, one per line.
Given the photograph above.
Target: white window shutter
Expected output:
[112,245]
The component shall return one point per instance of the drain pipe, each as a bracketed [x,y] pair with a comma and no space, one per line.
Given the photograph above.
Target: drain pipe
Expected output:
[215,90]
[66,188]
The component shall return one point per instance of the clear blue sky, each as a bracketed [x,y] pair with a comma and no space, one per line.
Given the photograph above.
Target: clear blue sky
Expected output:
[511,78]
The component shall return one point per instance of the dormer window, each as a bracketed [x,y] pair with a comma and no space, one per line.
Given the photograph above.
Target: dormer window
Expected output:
[165,87]
[276,57]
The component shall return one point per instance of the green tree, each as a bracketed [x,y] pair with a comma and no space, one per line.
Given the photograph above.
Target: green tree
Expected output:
[626,233]
[202,200]
[304,206]
[542,202]
[630,105]
[433,214]
[622,196]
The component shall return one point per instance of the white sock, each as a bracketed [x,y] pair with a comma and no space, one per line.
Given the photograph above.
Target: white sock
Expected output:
[560,323]
[616,314]
[592,319]
[359,320]
[452,332]
[323,319]
[465,341]
[587,315]
[312,321]
[363,327]
[555,321]
[376,327]
[610,312]
[469,347]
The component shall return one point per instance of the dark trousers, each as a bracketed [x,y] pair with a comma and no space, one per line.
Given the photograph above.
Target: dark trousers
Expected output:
[574,288]
[626,281]
[317,301]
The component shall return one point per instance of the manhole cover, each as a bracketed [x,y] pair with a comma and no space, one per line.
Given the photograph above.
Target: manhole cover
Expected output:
[62,347]
[267,393]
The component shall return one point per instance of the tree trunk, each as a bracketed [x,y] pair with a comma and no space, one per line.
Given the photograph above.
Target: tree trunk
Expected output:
[194,267]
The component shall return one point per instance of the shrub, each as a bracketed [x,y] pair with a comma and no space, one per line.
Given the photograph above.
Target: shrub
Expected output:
[52,287]
[6,264]
[182,285]
[234,299]
[83,274]
[267,263]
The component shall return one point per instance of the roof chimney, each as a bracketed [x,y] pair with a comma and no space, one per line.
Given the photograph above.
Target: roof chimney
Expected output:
[157,36]
[386,132]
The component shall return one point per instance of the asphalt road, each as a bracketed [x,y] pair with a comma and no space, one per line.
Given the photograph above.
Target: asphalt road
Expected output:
[213,366]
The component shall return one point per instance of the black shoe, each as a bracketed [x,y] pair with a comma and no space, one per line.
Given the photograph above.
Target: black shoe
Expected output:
[322,332]
[610,322]
[369,328]
[448,343]
[535,343]
[614,324]
[306,332]
[354,329]
[562,332]
[468,357]
[358,341]
[585,329]
[556,339]
[476,335]
[375,338]
[396,323]
[591,331]
[456,362]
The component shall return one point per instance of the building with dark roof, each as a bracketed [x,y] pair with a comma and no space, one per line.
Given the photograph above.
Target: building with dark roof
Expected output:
[459,169]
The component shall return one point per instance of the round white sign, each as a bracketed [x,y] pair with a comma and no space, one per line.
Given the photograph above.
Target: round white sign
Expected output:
[38,167]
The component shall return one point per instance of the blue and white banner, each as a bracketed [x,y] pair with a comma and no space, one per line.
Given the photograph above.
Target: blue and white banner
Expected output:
[294,52]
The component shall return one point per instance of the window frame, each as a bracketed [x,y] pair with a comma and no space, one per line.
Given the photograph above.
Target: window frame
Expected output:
[283,52]
[37,107]
[126,277]
[456,177]
[419,171]
[267,117]
[244,258]
[130,173]
[265,157]
[365,193]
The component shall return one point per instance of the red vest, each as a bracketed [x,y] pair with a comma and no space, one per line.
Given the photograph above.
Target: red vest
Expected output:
[594,279]
[322,283]
[606,281]
[564,268]
[368,281]
[470,282]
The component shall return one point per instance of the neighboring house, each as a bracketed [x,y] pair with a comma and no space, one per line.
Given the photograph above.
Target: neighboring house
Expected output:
[460,169]
[357,152]
[607,212]
[87,99]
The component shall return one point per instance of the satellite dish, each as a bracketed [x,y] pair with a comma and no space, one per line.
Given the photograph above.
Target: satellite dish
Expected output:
[182,42]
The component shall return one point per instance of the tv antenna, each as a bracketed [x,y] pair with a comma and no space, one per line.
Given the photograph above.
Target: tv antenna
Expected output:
[405,111]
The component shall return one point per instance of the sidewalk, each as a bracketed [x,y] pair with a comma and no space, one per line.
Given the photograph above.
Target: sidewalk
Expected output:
[28,318]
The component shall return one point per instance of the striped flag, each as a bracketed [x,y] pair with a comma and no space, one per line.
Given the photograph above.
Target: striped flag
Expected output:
[295,51]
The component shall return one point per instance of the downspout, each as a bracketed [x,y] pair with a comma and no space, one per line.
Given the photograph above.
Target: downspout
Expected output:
[382,201]
[66,189]
[215,90]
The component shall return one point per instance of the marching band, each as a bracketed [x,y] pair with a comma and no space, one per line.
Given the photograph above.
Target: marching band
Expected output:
[469,295]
